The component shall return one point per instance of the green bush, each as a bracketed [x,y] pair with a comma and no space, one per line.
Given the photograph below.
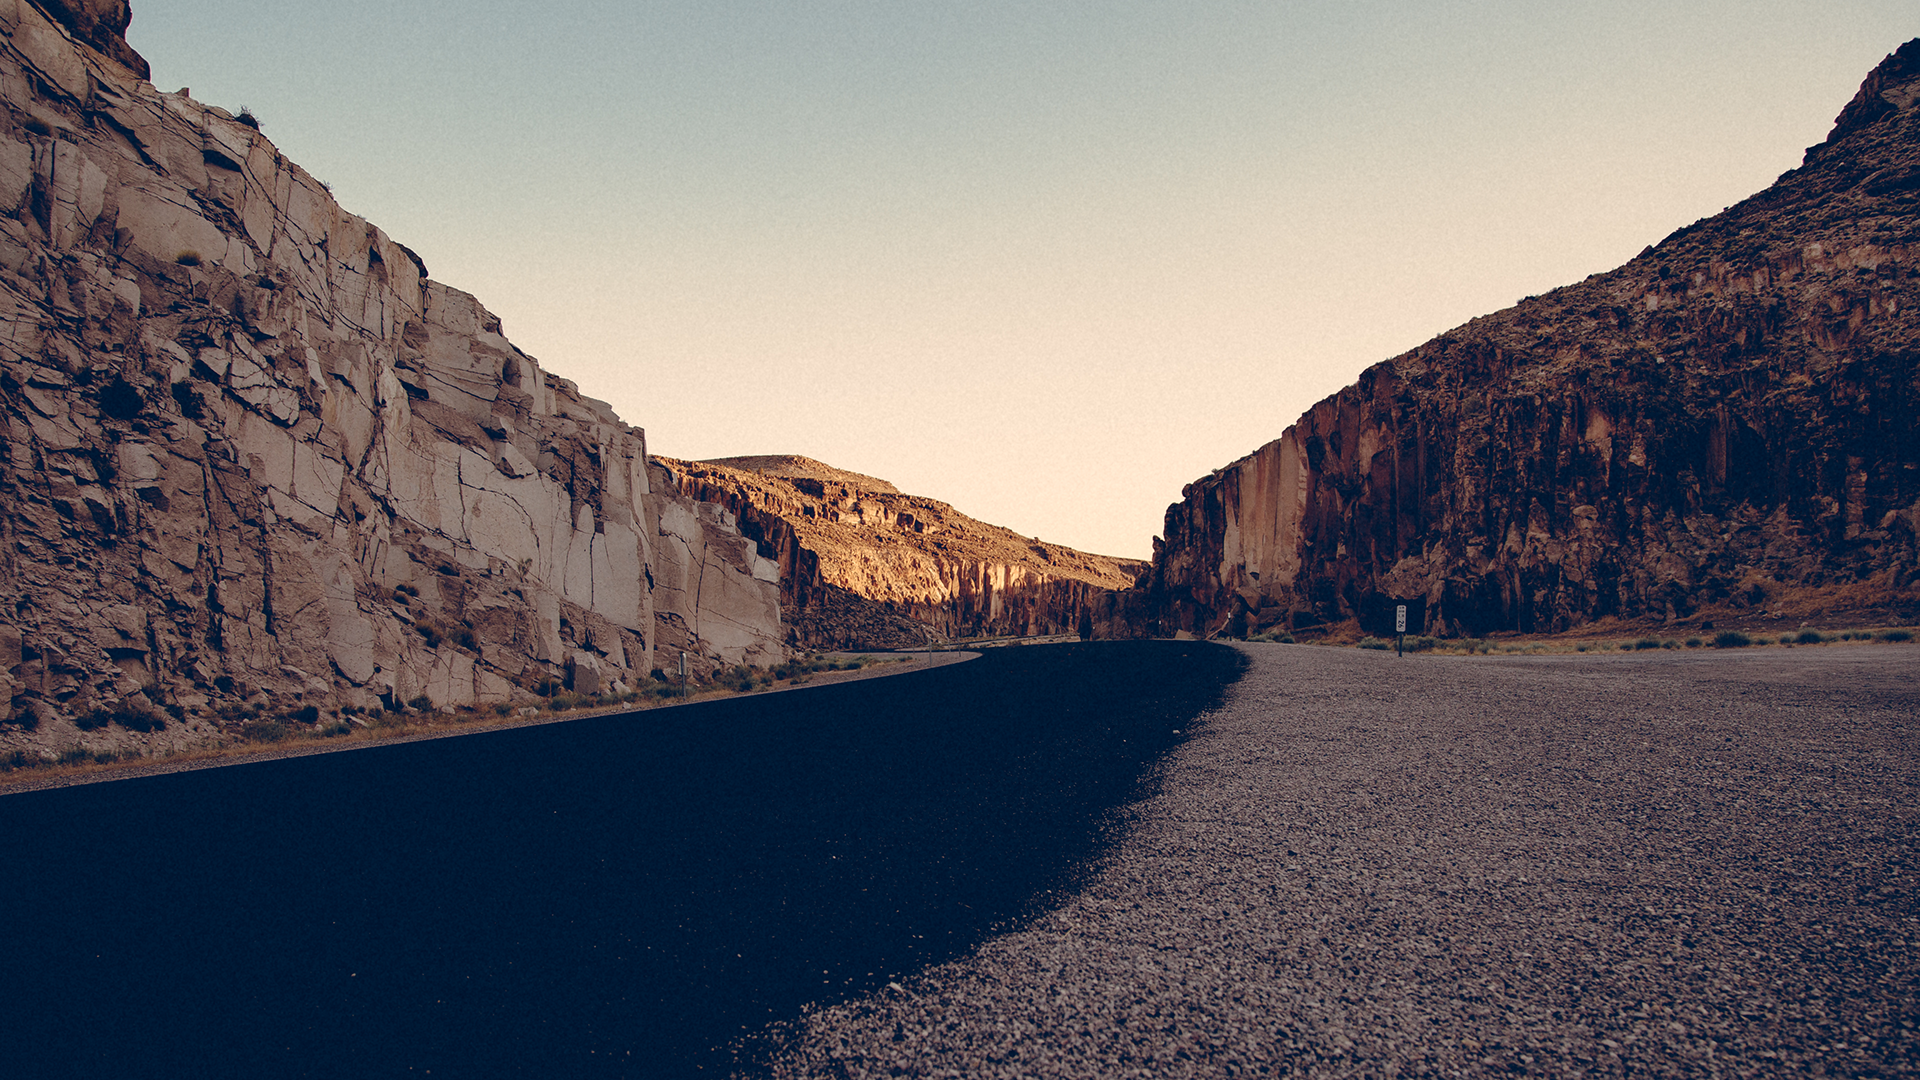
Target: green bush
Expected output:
[306,714]
[1810,637]
[1375,643]
[1693,643]
[421,702]
[1731,639]
[1895,635]
[1645,643]
[334,730]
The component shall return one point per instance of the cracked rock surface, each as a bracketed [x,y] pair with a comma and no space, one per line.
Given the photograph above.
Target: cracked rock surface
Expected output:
[1693,864]
[255,456]
[1726,417]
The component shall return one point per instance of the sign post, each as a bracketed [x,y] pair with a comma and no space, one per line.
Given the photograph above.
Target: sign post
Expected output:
[683,673]
[1400,629]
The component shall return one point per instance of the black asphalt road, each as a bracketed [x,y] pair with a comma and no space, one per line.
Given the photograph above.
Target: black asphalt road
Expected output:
[1671,864]
[617,896]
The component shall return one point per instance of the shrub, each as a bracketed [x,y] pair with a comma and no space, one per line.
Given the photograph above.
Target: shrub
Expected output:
[1810,637]
[1375,643]
[1646,643]
[306,714]
[1581,647]
[1731,639]
[18,759]
[263,731]
[75,756]
[138,718]
[422,702]
[335,730]
[1895,635]
[429,629]
[245,116]
[128,715]
[187,258]
[1693,643]
[28,718]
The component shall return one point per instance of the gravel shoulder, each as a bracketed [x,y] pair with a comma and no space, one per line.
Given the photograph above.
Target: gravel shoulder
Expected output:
[1665,864]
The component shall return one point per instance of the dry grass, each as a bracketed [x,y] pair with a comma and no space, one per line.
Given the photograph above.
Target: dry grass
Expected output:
[84,764]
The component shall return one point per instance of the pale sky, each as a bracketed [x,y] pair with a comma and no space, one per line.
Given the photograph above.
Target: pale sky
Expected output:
[1046,261]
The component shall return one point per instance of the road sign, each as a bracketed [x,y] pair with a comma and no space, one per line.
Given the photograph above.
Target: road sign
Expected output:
[1400,618]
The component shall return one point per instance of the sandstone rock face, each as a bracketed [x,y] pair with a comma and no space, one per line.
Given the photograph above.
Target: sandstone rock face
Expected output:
[1730,414]
[254,454]
[101,24]
[862,565]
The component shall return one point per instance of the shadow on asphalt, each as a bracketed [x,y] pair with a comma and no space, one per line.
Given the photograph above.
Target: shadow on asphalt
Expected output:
[620,895]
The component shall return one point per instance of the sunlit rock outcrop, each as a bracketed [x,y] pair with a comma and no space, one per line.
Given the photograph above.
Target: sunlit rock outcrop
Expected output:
[862,564]
[254,454]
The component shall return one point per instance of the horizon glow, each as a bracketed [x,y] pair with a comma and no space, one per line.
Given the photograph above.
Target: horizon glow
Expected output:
[1047,262]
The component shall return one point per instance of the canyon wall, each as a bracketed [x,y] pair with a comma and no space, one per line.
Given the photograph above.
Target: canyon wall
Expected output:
[255,455]
[1730,414]
[863,565]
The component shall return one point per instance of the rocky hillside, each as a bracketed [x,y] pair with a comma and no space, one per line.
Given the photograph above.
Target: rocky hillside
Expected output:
[1726,421]
[255,456]
[862,564]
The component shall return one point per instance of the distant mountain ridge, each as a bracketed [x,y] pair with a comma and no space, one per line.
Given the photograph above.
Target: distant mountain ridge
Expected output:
[795,467]
[864,564]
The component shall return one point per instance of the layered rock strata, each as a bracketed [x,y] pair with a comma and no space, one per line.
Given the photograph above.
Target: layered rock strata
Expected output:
[1730,414]
[255,455]
[862,564]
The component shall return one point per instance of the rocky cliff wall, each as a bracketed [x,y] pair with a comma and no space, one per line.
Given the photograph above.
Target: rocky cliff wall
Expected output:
[863,565]
[254,454]
[1731,413]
